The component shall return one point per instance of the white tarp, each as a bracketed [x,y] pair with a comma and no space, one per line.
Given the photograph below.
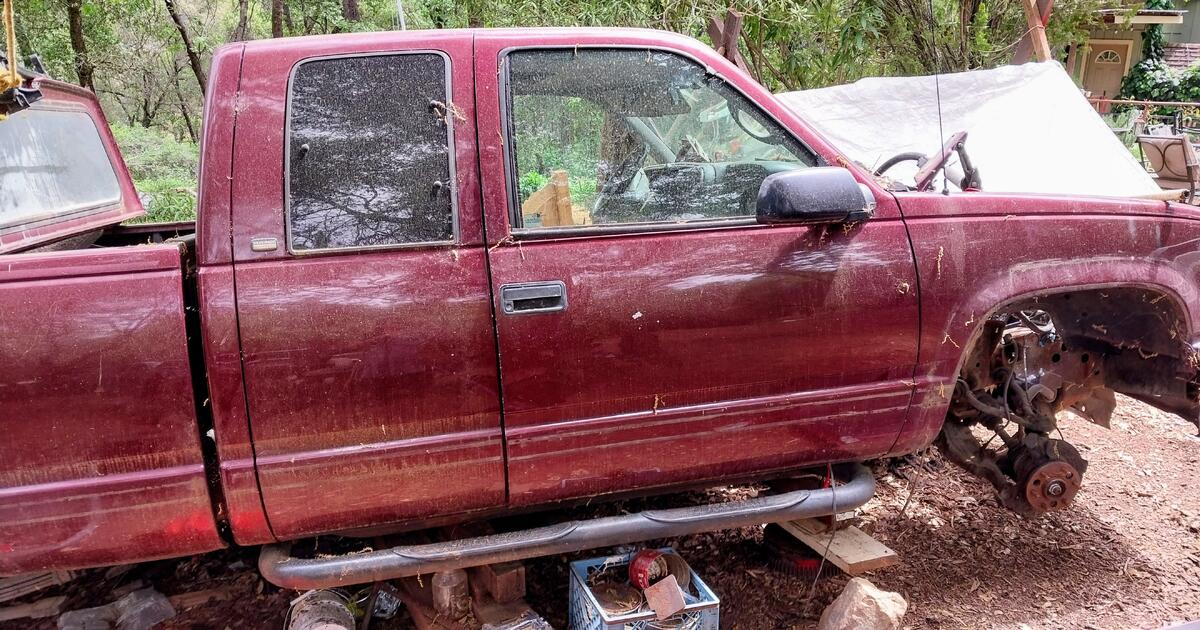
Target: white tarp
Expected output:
[1029,129]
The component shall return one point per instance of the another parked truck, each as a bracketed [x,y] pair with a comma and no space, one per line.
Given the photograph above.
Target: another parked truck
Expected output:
[439,277]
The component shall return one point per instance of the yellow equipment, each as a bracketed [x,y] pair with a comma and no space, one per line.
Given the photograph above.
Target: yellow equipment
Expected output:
[11,78]
[13,95]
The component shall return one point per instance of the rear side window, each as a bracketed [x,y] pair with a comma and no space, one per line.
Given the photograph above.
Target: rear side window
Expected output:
[369,152]
[52,163]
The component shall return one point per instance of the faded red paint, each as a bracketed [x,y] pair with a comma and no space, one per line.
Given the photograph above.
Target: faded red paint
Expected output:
[100,449]
[363,389]
[64,96]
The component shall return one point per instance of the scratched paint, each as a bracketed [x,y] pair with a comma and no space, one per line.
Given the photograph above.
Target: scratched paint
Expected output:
[100,456]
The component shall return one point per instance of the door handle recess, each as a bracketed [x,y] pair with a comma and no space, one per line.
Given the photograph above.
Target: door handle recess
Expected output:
[533,297]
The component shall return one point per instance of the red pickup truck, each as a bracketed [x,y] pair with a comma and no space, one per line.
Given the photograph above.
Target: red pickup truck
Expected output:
[444,276]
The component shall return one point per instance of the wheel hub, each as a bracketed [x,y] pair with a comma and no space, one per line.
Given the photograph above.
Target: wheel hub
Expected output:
[1052,486]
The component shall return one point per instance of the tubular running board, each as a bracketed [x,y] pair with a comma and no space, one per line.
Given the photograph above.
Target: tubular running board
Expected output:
[280,568]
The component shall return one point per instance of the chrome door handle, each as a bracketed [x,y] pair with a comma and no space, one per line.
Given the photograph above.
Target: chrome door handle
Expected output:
[533,297]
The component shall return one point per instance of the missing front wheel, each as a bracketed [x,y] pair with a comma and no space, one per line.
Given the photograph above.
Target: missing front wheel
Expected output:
[1003,412]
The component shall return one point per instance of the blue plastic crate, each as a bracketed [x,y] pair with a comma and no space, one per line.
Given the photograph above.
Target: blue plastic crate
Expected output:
[585,612]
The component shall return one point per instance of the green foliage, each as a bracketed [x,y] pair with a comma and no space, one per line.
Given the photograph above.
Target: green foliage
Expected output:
[167,199]
[960,35]
[1151,79]
[163,170]
[151,153]
[558,134]
[153,99]
[532,182]
[1152,37]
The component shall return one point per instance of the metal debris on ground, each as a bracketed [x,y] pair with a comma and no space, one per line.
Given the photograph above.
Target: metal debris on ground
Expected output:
[665,598]
[140,610]
[528,620]
[320,610]
[604,593]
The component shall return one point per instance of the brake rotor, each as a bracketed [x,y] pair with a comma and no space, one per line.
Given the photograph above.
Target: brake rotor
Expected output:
[1052,486]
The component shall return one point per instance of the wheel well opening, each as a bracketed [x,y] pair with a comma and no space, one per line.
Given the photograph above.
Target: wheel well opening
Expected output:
[1069,350]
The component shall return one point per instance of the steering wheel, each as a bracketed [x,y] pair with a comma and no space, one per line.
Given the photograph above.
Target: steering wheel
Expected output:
[928,166]
[899,158]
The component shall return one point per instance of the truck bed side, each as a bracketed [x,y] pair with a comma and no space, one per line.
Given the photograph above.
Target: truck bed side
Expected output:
[100,459]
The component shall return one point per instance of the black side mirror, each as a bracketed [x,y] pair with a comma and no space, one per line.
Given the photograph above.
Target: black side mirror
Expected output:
[826,194]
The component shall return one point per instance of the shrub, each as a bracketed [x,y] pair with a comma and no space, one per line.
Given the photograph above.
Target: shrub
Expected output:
[1152,79]
[163,171]
[532,182]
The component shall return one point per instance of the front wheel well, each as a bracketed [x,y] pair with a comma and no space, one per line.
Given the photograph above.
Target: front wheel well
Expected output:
[1063,350]
[1141,335]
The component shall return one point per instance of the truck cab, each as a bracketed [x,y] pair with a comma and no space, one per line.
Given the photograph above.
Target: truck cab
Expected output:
[528,261]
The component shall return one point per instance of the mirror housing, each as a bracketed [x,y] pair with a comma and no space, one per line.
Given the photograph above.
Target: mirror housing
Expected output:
[825,194]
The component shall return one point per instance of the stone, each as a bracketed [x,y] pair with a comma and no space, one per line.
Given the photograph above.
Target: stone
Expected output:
[862,606]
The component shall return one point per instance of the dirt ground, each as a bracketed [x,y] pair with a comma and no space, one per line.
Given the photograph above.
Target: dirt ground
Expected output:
[1127,555]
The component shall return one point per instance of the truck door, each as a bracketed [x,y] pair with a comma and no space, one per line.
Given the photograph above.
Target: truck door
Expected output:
[650,332]
[363,301]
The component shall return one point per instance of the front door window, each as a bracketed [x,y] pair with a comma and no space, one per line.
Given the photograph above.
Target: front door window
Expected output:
[627,136]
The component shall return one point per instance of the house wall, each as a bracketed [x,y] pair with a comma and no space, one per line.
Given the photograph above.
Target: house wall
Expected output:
[1189,31]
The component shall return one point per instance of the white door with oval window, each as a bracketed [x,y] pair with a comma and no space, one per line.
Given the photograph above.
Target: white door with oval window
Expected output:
[1106,66]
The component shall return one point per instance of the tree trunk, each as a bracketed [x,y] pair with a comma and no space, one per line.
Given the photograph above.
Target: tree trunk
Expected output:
[243,23]
[474,14]
[149,107]
[276,18]
[350,10]
[193,56]
[183,108]
[83,65]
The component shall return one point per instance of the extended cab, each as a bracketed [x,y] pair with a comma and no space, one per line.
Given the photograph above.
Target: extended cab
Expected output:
[442,276]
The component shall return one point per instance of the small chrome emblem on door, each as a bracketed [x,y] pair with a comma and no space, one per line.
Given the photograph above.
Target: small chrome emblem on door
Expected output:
[264,244]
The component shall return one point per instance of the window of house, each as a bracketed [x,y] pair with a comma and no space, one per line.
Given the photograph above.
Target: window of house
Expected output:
[627,136]
[369,161]
[53,163]
[1108,56]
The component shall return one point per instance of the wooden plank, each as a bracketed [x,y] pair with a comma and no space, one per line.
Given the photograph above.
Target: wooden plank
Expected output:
[1025,46]
[552,203]
[724,35]
[1037,30]
[562,196]
[21,585]
[47,607]
[504,581]
[488,610]
[851,550]
[542,204]
[417,596]
[184,601]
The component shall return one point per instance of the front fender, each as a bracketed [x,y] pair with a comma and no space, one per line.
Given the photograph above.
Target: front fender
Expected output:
[977,254]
